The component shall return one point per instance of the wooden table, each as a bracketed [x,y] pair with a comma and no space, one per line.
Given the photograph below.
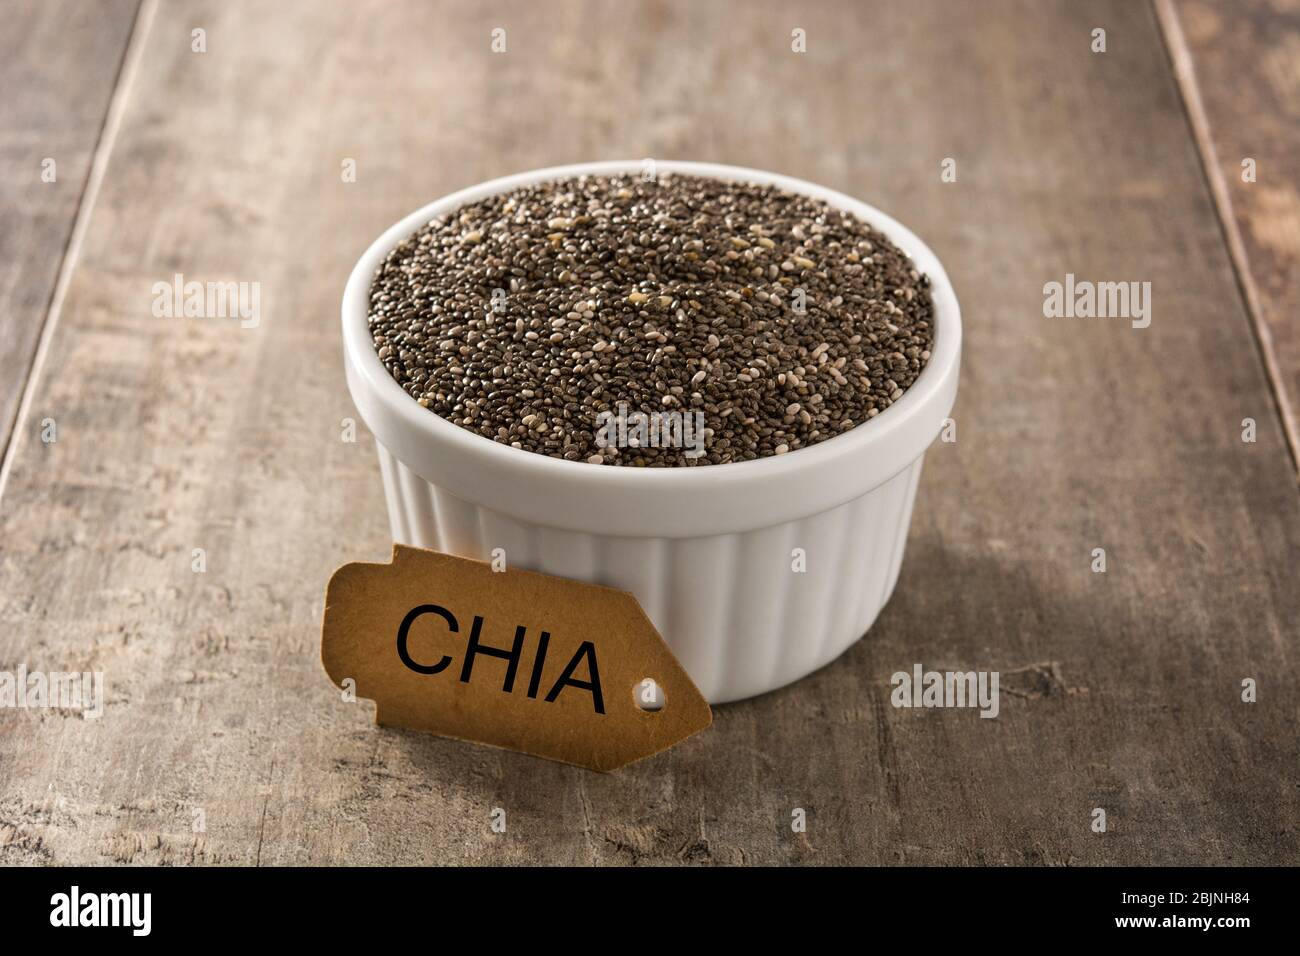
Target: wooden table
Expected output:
[1121,690]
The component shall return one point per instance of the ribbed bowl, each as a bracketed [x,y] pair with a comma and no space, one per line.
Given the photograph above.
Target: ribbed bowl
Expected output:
[756,573]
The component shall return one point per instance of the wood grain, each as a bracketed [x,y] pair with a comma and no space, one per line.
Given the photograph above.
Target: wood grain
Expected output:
[1121,690]
[1239,67]
[58,65]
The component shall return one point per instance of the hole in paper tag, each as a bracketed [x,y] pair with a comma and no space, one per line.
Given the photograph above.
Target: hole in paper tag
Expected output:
[649,695]
[515,659]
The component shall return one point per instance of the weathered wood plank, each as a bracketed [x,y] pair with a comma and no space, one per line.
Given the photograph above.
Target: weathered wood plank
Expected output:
[1123,687]
[58,65]
[1239,67]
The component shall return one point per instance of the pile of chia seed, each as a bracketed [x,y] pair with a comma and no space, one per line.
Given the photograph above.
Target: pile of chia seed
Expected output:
[522,317]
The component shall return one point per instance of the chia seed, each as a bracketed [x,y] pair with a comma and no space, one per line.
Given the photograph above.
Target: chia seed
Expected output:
[526,315]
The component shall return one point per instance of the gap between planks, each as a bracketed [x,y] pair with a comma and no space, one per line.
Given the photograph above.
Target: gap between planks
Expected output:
[123,82]
[1180,59]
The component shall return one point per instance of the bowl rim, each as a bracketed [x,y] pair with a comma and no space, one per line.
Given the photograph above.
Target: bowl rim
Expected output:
[366,369]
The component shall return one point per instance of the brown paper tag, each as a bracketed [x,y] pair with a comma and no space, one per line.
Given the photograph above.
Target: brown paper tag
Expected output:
[516,659]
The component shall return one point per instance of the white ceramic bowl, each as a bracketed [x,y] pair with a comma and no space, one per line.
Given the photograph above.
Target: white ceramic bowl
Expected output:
[708,551]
